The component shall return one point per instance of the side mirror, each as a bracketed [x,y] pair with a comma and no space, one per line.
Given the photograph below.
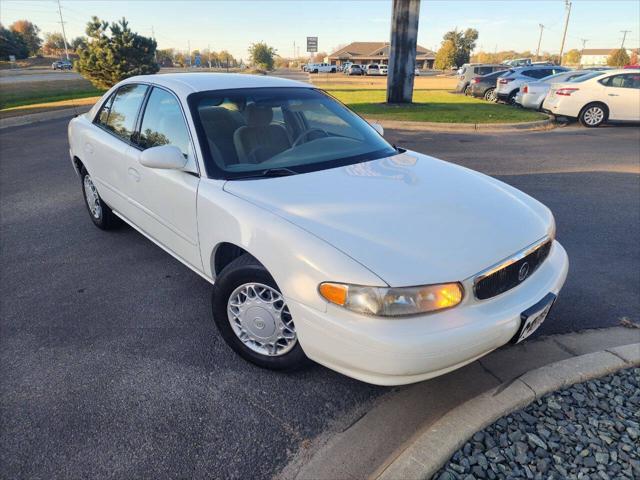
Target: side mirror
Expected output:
[378,128]
[166,157]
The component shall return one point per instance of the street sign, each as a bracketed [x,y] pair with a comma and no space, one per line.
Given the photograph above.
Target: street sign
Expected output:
[312,44]
[198,60]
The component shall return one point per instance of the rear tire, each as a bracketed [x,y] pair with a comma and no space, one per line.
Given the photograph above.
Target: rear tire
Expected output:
[593,115]
[467,90]
[101,215]
[257,327]
[490,95]
[511,100]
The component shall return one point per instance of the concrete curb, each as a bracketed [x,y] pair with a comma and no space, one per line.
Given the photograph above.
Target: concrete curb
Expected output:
[546,124]
[42,116]
[433,447]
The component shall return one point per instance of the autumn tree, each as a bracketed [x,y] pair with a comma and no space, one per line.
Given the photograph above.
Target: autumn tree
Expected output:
[572,57]
[618,58]
[463,43]
[446,56]
[29,33]
[12,43]
[634,58]
[53,44]
[114,56]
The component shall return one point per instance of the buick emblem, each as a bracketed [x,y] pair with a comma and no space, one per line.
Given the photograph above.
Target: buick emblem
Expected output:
[523,272]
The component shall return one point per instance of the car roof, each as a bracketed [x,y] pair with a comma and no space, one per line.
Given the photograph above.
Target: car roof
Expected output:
[184,84]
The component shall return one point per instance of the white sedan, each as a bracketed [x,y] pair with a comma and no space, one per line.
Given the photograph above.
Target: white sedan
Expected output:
[532,94]
[597,97]
[322,240]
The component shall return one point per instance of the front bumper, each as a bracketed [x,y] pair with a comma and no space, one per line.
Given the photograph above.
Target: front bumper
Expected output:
[407,350]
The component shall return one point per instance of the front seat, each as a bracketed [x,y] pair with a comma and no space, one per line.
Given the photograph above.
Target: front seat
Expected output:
[220,124]
[260,140]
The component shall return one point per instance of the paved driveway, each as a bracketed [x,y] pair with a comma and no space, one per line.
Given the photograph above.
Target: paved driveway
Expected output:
[111,367]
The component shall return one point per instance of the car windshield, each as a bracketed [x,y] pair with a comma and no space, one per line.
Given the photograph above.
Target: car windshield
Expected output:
[249,132]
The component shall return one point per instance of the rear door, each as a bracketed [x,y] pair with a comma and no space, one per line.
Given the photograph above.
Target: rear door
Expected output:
[622,96]
[164,201]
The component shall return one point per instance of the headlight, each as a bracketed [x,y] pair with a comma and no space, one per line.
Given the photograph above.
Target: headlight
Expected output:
[552,229]
[392,301]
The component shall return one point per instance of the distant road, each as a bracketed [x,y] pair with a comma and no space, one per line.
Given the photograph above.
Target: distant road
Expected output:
[40,75]
[45,75]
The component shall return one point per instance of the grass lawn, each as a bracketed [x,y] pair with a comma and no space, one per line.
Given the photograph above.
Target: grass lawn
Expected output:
[432,106]
[27,93]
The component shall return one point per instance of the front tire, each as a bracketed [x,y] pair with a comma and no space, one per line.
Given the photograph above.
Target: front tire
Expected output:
[253,317]
[593,115]
[100,213]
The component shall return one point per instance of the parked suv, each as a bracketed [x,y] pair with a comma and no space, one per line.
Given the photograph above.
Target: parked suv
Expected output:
[375,69]
[354,69]
[468,71]
[508,85]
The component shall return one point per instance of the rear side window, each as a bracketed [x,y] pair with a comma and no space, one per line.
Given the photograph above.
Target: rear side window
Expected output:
[538,73]
[163,122]
[625,80]
[123,113]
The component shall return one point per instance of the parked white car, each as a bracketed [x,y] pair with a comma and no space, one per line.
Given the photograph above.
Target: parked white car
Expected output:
[321,239]
[375,69]
[532,94]
[597,97]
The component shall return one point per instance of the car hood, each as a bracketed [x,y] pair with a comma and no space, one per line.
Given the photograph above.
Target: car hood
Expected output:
[409,218]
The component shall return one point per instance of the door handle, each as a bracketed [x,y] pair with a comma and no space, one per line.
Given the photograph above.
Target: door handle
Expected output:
[613,95]
[133,173]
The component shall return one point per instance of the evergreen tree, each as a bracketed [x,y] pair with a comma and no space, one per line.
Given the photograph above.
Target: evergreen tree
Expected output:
[262,55]
[108,58]
[618,58]
[12,43]
[29,33]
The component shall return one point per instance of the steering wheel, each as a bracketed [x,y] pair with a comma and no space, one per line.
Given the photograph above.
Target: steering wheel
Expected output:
[304,134]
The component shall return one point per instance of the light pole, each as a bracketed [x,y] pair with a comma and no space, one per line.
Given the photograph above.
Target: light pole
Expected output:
[402,50]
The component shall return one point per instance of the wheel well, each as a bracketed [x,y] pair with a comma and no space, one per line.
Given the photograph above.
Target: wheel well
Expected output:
[225,253]
[78,164]
[603,105]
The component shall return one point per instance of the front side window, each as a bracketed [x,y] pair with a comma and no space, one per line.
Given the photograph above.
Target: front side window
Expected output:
[298,129]
[163,122]
[124,110]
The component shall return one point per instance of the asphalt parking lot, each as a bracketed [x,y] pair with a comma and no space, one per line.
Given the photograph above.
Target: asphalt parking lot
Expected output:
[111,367]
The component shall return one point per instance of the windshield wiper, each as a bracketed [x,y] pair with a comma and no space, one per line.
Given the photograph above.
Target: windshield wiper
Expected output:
[268,173]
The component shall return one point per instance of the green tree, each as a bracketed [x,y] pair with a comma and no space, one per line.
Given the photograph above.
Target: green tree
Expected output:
[12,44]
[109,58]
[463,42]
[29,33]
[446,56]
[78,43]
[262,55]
[618,58]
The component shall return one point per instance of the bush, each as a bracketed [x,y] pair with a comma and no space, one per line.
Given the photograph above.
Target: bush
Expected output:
[107,59]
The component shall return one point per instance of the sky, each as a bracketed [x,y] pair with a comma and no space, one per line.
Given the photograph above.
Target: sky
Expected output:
[234,24]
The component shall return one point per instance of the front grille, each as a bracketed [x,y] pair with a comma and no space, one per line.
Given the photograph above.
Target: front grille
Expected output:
[512,274]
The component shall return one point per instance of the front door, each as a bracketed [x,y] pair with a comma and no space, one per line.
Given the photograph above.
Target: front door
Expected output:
[622,95]
[164,201]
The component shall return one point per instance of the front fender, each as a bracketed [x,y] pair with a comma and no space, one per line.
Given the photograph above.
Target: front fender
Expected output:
[297,260]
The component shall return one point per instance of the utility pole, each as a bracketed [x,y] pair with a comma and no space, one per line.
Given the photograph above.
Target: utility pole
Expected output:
[189,52]
[209,50]
[566,25]
[155,53]
[64,35]
[539,41]
[624,37]
[402,50]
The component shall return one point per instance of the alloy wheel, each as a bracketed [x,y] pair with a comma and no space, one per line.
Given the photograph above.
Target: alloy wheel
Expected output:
[593,116]
[261,319]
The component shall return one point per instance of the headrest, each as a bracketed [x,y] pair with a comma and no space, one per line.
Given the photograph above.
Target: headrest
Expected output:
[258,115]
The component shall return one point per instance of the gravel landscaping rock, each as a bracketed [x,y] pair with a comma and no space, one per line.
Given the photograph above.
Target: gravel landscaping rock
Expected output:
[587,431]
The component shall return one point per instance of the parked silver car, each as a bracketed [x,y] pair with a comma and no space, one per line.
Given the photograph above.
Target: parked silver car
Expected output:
[532,94]
[508,85]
